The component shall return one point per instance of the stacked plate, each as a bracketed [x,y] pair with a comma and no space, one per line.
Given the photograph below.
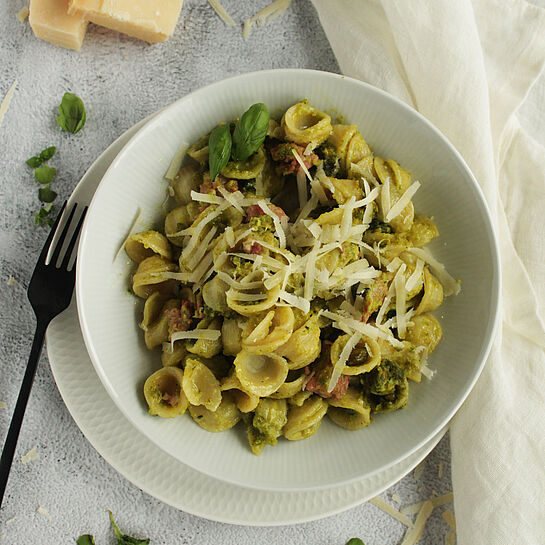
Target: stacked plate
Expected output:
[213,475]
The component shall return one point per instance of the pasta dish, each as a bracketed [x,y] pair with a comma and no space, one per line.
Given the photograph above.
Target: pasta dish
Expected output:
[290,281]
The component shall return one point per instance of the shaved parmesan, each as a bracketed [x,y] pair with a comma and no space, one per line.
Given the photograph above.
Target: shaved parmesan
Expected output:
[233,198]
[367,200]
[194,241]
[269,262]
[415,276]
[301,188]
[295,301]
[302,164]
[389,295]
[195,258]
[206,197]
[385,197]
[204,334]
[343,358]
[277,225]
[440,470]
[401,302]
[310,271]
[427,372]
[308,208]
[403,201]
[394,264]
[201,270]
[239,285]
[32,454]
[316,186]
[3,405]
[247,28]
[346,221]
[222,13]
[239,296]
[129,234]
[413,534]
[44,512]
[7,100]
[229,236]
[176,162]
[449,518]
[260,18]
[450,286]
[392,511]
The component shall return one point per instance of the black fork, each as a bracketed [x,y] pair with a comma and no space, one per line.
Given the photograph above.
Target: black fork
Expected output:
[49,292]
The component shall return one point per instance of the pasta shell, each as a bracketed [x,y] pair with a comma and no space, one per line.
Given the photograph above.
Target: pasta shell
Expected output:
[351,411]
[290,387]
[146,280]
[260,374]
[364,357]
[274,329]
[213,294]
[247,308]
[147,244]
[245,401]
[304,124]
[223,418]
[157,332]
[186,180]
[303,346]
[199,150]
[424,331]
[231,337]
[205,347]
[164,393]
[173,357]
[245,170]
[200,385]
[305,420]
[433,293]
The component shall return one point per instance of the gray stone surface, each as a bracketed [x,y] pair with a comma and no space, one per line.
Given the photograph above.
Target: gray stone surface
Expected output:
[121,81]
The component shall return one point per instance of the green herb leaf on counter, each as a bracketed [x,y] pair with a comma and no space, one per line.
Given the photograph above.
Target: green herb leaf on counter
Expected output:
[250,131]
[72,115]
[46,194]
[45,174]
[47,153]
[219,145]
[85,539]
[123,539]
[44,215]
[34,162]
[355,541]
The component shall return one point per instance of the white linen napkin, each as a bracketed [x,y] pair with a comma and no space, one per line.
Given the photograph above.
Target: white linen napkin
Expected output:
[468,66]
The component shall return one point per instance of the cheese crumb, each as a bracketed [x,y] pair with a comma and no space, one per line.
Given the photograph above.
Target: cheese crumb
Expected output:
[9,521]
[440,471]
[449,518]
[387,508]
[11,281]
[32,454]
[23,14]
[3,405]
[221,12]
[6,102]
[396,498]
[43,511]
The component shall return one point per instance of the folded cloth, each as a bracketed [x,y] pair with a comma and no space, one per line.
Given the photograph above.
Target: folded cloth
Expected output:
[468,66]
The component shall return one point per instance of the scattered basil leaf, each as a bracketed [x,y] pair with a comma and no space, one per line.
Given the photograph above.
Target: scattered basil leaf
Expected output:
[85,539]
[355,541]
[250,131]
[46,194]
[44,215]
[219,146]
[71,113]
[123,539]
[45,174]
[47,153]
[34,162]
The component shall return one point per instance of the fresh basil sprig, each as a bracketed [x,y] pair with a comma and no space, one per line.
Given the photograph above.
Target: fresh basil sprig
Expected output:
[43,156]
[219,149]
[86,539]
[123,539]
[45,174]
[43,216]
[72,115]
[250,131]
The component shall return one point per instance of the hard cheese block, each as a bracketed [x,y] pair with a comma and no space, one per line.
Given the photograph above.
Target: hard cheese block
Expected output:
[51,22]
[149,20]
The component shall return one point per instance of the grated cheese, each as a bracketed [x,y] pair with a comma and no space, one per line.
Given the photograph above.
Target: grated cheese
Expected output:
[247,28]
[427,372]
[437,502]
[268,261]
[394,264]
[392,511]
[22,15]
[7,100]
[202,249]
[295,301]
[3,405]
[202,268]
[222,13]
[440,470]
[308,208]
[389,295]
[31,455]
[43,511]
[450,286]
[316,186]
[302,164]
[403,201]
[176,162]
[343,358]
[346,222]
[414,534]
[239,296]
[385,197]
[277,225]
[366,200]
[239,285]
[205,197]
[301,188]
[189,249]
[401,302]
[229,236]
[415,276]
[11,281]
[310,271]
[234,198]
[204,334]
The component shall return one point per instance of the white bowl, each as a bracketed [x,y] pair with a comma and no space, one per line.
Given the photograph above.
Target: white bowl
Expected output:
[109,315]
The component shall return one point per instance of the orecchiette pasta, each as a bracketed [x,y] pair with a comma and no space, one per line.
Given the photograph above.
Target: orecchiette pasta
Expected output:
[289,284]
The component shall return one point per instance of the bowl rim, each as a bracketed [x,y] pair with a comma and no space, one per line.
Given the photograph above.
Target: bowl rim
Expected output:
[493,321]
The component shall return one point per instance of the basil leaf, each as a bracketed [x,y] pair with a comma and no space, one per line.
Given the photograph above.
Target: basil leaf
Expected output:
[43,216]
[219,149]
[47,153]
[355,541]
[71,113]
[123,539]
[45,174]
[34,162]
[250,131]
[86,539]
[46,194]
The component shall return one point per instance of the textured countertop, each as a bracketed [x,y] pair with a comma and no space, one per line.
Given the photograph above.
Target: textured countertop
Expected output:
[121,81]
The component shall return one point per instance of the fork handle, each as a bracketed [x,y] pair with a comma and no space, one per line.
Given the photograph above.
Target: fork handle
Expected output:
[17,419]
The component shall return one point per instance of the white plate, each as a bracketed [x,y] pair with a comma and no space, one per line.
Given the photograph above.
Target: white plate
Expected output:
[333,456]
[147,466]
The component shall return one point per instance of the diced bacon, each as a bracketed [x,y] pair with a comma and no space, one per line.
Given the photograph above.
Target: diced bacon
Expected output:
[319,379]
[179,319]
[283,156]
[221,181]
[250,246]
[374,298]
[171,399]
[199,307]
[254,211]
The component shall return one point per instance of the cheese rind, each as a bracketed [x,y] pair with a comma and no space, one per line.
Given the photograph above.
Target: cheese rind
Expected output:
[50,21]
[150,21]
